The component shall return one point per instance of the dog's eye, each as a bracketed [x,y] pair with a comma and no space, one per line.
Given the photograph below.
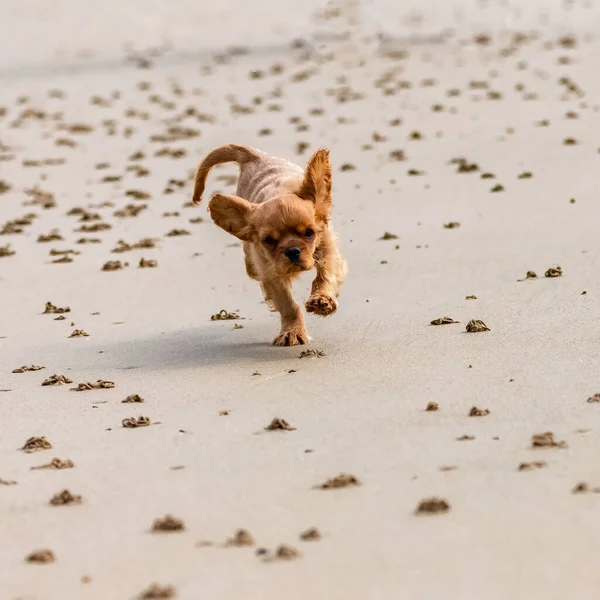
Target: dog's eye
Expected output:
[309,233]
[269,241]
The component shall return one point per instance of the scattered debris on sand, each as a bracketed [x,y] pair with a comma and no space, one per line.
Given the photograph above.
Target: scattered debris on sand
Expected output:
[478,412]
[100,384]
[240,538]
[432,506]
[388,236]
[79,333]
[123,246]
[452,225]
[223,315]
[553,272]
[113,265]
[546,440]
[55,463]
[443,321]
[312,354]
[63,253]
[35,444]
[65,497]
[177,232]
[57,380]
[129,211]
[310,535]
[132,422]
[62,260]
[6,251]
[285,552]
[529,275]
[138,194]
[7,481]
[593,399]
[26,368]
[132,398]
[158,592]
[55,310]
[342,480]
[148,263]
[282,552]
[464,166]
[41,556]
[278,424]
[168,523]
[532,466]
[432,406]
[585,488]
[476,326]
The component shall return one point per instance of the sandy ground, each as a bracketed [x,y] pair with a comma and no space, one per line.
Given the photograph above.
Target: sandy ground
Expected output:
[504,104]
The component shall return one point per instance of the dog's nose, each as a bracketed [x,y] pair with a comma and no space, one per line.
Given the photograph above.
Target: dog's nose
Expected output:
[293,254]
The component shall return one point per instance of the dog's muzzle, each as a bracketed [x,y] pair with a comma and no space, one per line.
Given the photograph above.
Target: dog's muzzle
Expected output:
[293,254]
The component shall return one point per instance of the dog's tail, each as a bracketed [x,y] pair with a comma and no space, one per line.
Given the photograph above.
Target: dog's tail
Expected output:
[222,154]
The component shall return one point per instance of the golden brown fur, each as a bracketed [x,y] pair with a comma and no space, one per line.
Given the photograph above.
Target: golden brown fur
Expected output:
[281,213]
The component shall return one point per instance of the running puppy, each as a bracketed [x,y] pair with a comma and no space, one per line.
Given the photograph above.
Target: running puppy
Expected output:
[281,213]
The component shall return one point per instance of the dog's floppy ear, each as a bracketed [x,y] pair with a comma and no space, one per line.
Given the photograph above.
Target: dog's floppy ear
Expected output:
[316,185]
[231,213]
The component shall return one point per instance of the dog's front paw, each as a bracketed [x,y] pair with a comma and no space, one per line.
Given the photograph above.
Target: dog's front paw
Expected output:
[321,305]
[291,337]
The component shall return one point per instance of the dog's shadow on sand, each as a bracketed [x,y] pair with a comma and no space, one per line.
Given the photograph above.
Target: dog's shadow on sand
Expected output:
[194,347]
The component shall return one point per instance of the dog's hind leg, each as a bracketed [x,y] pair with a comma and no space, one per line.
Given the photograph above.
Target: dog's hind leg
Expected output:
[253,273]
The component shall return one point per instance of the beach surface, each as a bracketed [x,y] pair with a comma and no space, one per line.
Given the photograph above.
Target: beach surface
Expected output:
[465,146]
